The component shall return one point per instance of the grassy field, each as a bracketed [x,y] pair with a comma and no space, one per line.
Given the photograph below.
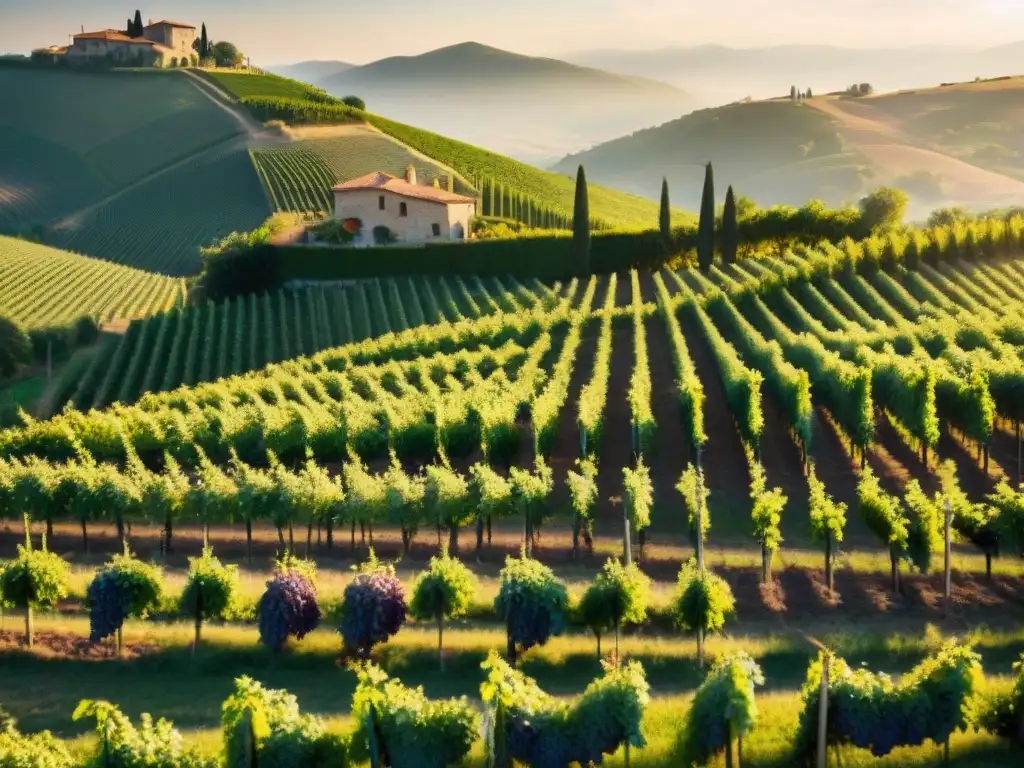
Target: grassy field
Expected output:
[160,225]
[243,84]
[68,139]
[42,286]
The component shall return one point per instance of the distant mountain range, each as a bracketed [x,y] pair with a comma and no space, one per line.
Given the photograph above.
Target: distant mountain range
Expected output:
[534,109]
[311,71]
[716,74]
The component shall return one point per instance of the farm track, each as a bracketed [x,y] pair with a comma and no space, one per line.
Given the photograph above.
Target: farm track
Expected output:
[616,449]
[671,452]
[723,460]
[840,474]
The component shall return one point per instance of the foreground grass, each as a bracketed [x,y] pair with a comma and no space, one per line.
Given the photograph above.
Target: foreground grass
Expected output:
[768,746]
[42,689]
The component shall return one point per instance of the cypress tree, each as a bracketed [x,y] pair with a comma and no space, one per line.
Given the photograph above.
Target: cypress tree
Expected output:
[581,225]
[204,44]
[128,28]
[809,94]
[792,92]
[706,227]
[137,31]
[665,219]
[730,229]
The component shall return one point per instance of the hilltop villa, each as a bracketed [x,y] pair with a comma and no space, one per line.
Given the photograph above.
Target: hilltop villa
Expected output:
[410,213]
[161,41]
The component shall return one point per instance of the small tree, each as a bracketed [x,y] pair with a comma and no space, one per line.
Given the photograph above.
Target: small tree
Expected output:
[373,607]
[581,225]
[882,210]
[531,602]
[730,229]
[810,95]
[211,591]
[723,711]
[443,591]
[226,54]
[793,94]
[123,588]
[638,500]
[355,102]
[36,578]
[828,520]
[583,494]
[706,225]
[701,604]
[766,515]
[618,596]
[665,217]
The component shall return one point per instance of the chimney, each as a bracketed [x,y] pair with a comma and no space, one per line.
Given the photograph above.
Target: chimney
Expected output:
[410,174]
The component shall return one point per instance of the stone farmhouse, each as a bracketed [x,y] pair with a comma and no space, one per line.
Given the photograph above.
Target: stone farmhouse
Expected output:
[411,213]
[161,42]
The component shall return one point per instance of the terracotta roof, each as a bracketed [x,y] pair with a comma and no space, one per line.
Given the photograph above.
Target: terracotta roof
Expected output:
[169,24]
[113,36]
[398,186]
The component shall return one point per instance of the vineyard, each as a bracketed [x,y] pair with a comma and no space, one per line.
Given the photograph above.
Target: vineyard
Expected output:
[41,286]
[160,225]
[189,345]
[300,176]
[800,425]
[62,151]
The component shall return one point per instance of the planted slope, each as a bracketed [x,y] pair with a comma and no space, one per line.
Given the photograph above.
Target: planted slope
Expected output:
[300,175]
[42,286]
[160,225]
[68,139]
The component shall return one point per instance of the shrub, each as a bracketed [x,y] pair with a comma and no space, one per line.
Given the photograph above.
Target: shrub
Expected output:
[355,102]
[399,727]
[124,587]
[264,727]
[701,603]
[443,591]
[152,745]
[373,607]
[532,603]
[15,347]
[723,709]
[38,750]
[870,711]
[538,730]
[211,591]
[36,578]
[619,595]
[288,608]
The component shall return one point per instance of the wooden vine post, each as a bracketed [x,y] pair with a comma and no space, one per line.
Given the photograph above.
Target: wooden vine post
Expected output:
[948,582]
[823,714]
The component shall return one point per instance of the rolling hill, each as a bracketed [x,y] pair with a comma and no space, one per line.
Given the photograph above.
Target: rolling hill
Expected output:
[952,145]
[534,109]
[718,74]
[310,71]
[552,190]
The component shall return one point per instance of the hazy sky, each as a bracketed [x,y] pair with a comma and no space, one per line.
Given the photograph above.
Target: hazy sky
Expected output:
[283,31]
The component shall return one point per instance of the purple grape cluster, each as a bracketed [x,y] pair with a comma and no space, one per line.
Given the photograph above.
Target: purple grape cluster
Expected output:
[108,606]
[288,608]
[372,611]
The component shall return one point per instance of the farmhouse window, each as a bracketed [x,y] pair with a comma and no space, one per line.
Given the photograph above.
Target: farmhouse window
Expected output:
[403,209]
[380,202]
[435,229]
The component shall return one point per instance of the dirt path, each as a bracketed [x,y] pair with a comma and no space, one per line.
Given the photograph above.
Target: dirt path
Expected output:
[226,102]
[672,452]
[725,465]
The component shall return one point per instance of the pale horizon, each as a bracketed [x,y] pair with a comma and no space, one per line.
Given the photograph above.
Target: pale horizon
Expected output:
[303,30]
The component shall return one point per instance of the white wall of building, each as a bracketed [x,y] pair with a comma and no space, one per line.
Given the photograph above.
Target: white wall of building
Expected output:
[417,226]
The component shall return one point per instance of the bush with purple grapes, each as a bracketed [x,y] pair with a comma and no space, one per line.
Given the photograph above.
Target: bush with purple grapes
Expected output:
[288,607]
[373,607]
